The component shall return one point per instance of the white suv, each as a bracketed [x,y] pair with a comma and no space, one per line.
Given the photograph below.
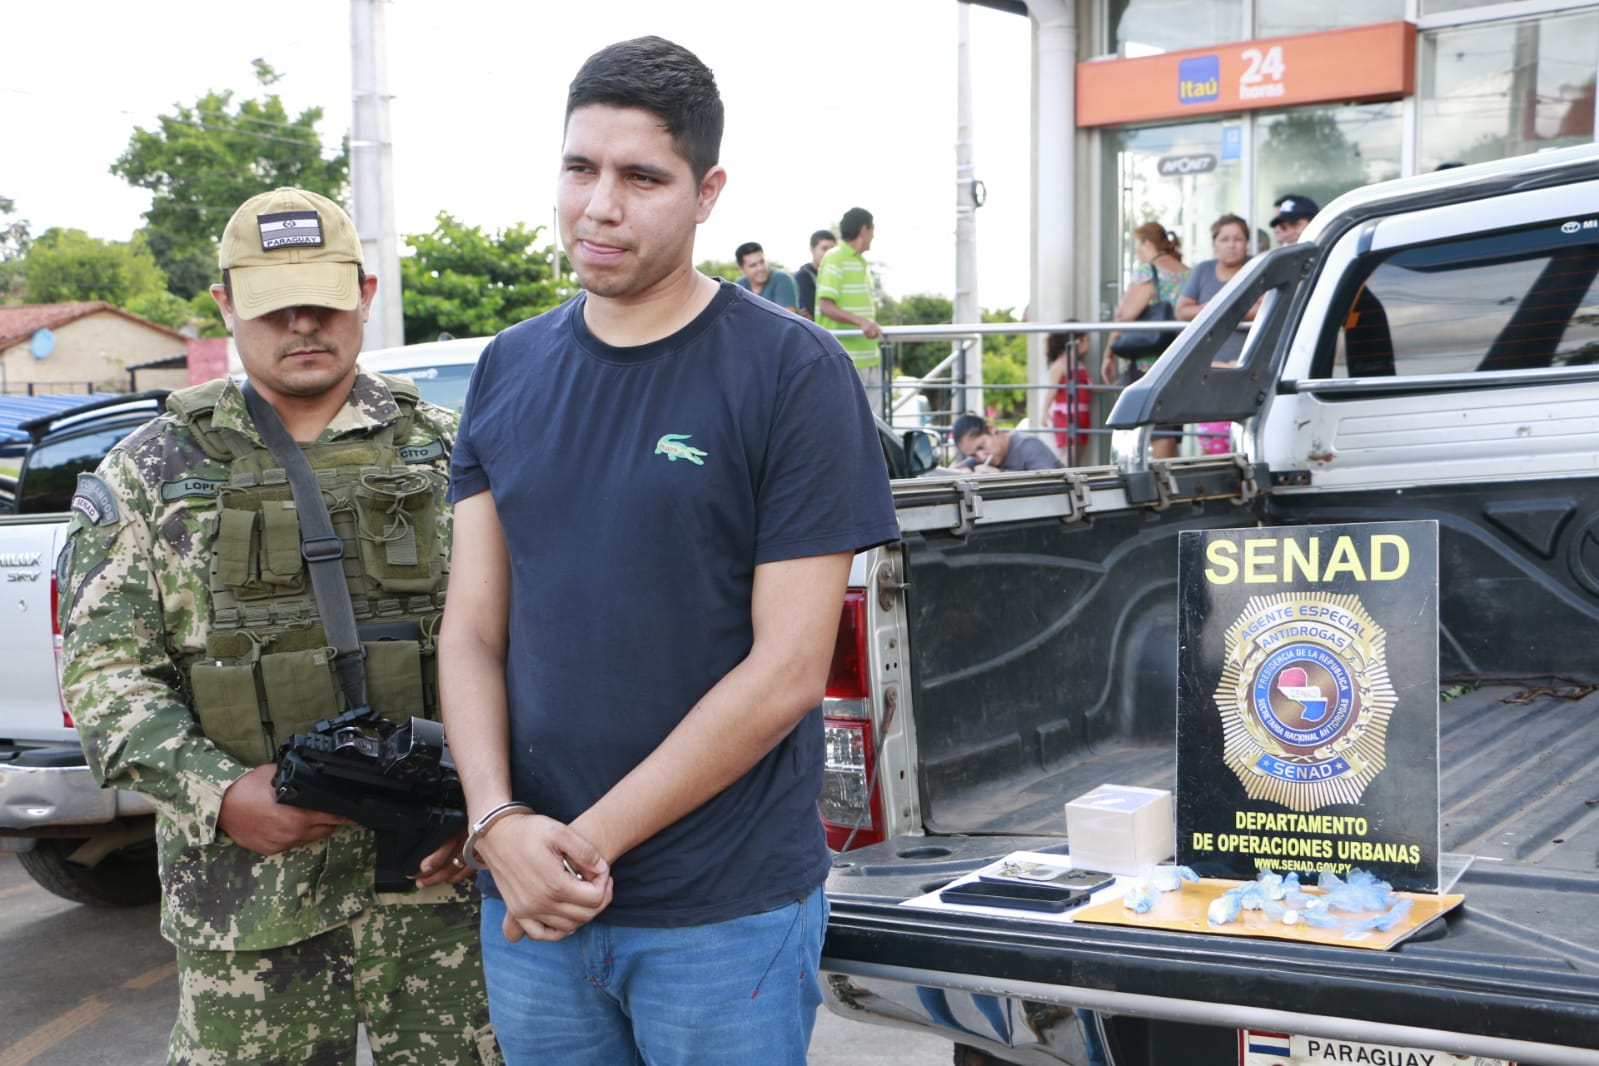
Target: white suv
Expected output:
[441,369]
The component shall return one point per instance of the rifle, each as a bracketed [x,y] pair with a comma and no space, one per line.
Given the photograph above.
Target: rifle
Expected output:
[401,783]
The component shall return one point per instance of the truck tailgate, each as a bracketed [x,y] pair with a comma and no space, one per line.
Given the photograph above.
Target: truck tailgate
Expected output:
[30,705]
[1518,961]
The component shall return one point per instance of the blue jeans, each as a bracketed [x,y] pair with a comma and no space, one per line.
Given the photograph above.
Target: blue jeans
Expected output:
[725,994]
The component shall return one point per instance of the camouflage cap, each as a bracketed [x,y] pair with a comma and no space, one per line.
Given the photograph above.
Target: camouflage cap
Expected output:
[288,248]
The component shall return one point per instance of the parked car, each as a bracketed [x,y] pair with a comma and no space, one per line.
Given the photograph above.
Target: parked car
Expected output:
[441,369]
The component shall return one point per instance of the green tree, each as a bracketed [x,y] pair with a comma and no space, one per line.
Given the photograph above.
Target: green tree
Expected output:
[203,161]
[720,268]
[205,316]
[469,283]
[14,232]
[14,241]
[67,265]
[1004,363]
[161,306]
[916,358]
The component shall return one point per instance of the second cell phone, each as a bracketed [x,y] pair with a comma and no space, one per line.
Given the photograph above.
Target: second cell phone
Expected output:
[1054,876]
[1047,898]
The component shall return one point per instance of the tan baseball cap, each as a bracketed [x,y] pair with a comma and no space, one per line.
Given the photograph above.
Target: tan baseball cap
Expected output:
[288,248]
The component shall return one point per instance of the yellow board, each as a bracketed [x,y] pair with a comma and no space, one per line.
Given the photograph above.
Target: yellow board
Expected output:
[1184,912]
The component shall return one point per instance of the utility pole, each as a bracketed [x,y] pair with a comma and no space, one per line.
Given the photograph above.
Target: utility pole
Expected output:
[968,198]
[372,169]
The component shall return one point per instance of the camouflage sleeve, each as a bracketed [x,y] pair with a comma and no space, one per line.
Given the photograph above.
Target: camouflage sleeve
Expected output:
[119,680]
[439,423]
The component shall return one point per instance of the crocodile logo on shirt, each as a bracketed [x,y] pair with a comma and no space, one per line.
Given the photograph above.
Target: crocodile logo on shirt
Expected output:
[673,447]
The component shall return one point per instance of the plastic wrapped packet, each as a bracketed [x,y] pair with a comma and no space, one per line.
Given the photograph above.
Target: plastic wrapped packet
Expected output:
[1223,909]
[1322,919]
[1385,921]
[1170,878]
[1139,897]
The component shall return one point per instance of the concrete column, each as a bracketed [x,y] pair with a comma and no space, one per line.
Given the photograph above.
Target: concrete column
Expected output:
[1054,193]
[372,169]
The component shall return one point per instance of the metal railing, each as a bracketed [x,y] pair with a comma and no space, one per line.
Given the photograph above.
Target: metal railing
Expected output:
[45,388]
[902,410]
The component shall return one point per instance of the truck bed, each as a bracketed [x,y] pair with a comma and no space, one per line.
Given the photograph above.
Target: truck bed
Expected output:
[1516,968]
[1547,816]
[1043,665]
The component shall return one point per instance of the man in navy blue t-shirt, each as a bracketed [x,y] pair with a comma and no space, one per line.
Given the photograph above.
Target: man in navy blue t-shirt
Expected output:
[658,489]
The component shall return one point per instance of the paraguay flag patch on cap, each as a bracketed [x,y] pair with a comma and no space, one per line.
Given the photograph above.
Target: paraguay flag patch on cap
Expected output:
[283,229]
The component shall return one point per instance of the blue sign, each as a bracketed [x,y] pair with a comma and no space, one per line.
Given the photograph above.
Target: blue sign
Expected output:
[1199,80]
[1232,142]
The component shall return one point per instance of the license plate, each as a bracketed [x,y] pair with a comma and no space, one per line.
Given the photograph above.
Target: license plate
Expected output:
[1256,1047]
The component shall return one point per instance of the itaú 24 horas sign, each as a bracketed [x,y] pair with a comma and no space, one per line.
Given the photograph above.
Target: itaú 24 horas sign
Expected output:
[1360,63]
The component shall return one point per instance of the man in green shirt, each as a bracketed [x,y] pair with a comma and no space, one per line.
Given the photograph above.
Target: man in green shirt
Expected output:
[846,299]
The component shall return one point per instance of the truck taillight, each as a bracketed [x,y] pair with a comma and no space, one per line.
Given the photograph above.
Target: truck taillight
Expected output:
[850,808]
[55,637]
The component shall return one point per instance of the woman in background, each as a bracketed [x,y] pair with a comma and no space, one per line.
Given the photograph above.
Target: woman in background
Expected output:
[1229,236]
[1160,275]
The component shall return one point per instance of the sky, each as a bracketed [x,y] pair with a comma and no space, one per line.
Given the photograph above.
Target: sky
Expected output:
[830,104]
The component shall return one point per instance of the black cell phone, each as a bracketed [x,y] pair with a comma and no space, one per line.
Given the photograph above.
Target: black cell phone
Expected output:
[1048,898]
[1039,874]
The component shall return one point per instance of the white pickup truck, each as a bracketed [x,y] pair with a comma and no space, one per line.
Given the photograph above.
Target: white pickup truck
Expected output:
[1429,351]
[79,841]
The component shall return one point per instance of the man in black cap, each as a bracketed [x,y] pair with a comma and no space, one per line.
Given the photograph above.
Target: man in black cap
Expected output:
[1293,215]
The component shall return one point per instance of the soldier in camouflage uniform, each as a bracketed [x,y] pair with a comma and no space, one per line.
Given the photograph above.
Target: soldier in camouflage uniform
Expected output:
[192,646]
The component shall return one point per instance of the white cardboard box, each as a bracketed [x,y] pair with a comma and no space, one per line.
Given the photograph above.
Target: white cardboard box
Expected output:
[1121,829]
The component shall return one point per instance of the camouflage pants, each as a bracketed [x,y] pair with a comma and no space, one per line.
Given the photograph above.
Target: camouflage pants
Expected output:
[412,973]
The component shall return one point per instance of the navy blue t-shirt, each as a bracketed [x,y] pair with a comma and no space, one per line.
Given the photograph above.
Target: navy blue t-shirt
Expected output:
[638,489]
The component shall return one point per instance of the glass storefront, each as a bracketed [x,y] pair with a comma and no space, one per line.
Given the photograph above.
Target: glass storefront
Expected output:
[1182,175]
[1498,89]
[1321,152]
[1280,18]
[1143,27]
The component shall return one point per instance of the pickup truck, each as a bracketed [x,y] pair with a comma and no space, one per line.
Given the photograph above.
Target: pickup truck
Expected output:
[82,843]
[1429,350]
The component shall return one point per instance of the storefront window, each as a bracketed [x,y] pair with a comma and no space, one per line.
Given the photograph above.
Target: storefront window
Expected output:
[1321,152]
[1281,18]
[1499,89]
[1438,7]
[1144,27]
[1182,176]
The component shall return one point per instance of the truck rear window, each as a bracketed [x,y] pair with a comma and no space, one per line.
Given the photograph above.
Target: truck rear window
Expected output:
[1520,300]
[50,471]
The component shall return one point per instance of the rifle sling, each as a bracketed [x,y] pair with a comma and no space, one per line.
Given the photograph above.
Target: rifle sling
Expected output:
[320,547]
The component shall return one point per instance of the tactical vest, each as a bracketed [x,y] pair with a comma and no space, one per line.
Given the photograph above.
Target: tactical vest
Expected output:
[268,671]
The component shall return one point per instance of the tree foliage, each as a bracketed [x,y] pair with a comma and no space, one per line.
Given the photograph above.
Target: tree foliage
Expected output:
[14,232]
[919,309]
[204,160]
[15,238]
[1004,363]
[469,283]
[719,268]
[68,265]
[1004,356]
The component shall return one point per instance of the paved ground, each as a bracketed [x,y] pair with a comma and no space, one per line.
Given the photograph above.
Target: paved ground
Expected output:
[89,987]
